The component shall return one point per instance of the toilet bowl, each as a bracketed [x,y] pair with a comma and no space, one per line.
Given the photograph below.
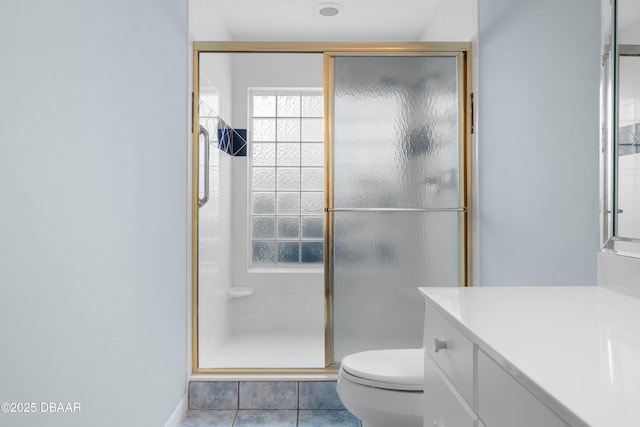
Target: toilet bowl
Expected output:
[384,388]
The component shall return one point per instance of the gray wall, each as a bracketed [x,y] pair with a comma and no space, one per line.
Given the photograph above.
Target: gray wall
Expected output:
[538,141]
[93,223]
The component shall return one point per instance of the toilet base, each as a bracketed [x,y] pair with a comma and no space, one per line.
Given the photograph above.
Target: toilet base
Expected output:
[417,423]
[376,407]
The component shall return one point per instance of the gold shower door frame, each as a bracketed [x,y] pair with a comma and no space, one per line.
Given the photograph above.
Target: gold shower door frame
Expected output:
[460,50]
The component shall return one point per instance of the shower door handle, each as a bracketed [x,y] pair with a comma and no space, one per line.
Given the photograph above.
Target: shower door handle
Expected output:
[205,197]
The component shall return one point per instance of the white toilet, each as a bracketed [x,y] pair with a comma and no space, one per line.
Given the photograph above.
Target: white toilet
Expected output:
[384,388]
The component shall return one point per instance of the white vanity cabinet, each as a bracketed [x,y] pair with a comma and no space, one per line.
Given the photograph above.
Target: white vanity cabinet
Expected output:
[531,357]
[464,386]
[503,402]
[442,406]
[450,351]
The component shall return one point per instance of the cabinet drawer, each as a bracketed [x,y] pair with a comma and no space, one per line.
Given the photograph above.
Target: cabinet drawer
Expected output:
[442,408]
[503,402]
[456,358]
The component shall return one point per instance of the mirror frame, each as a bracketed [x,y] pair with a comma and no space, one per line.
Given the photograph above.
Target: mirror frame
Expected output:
[610,240]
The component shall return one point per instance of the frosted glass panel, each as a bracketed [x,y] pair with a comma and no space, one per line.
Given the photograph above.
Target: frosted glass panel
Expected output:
[282,190]
[264,129]
[312,203]
[288,129]
[312,252]
[288,252]
[263,252]
[312,154]
[312,106]
[288,179]
[288,106]
[395,146]
[264,106]
[288,228]
[380,259]
[264,179]
[396,132]
[312,130]
[263,228]
[263,203]
[288,154]
[288,203]
[263,154]
[312,179]
[312,228]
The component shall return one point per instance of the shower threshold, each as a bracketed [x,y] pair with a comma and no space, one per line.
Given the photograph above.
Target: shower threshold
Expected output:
[268,351]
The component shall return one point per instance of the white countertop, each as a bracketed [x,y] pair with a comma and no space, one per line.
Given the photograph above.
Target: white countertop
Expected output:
[577,348]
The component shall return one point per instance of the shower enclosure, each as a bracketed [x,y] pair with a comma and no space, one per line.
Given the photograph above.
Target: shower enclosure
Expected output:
[337,185]
[397,206]
[261,306]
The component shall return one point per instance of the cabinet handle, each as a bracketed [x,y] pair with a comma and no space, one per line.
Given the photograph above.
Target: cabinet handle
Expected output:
[438,345]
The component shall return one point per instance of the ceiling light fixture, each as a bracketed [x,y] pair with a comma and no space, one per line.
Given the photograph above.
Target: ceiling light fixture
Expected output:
[329,9]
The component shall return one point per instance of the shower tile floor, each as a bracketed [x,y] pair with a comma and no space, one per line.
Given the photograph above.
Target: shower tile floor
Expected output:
[266,404]
[270,418]
[269,350]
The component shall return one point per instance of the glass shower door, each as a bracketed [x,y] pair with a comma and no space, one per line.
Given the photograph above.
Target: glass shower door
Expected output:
[396,201]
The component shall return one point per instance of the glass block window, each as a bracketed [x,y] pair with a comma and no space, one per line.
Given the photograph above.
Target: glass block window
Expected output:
[286,177]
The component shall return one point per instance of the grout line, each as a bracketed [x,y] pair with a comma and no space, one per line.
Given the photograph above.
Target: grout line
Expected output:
[238,399]
[235,418]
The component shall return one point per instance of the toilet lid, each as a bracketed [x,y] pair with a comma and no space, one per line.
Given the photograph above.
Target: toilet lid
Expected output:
[401,369]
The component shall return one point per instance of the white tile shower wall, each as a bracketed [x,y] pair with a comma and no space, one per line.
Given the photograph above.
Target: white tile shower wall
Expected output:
[282,302]
[215,217]
[270,70]
[629,91]
[629,165]
[629,180]
[214,254]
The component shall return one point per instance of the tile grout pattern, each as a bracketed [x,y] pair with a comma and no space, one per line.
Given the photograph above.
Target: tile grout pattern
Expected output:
[270,418]
[266,403]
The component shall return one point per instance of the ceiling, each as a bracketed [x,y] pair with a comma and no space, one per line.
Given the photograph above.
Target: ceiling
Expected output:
[628,19]
[390,20]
